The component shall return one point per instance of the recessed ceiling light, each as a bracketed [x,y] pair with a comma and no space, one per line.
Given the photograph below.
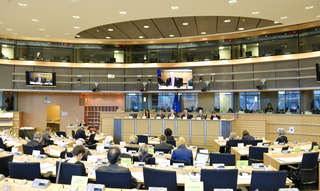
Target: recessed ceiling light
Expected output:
[309,7]
[110,30]
[42,29]
[241,29]
[276,22]
[98,30]
[203,33]
[232,1]
[255,12]
[227,21]
[146,26]
[122,12]
[35,20]
[284,17]
[77,36]
[76,17]
[9,29]
[174,7]
[171,35]
[108,37]
[140,36]
[76,27]
[22,4]
[185,24]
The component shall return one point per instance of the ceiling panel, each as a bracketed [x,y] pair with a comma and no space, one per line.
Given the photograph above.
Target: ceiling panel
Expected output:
[207,24]
[187,30]
[130,29]
[152,31]
[167,27]
[225,27]
[265,23]
[115,34]
[248,23]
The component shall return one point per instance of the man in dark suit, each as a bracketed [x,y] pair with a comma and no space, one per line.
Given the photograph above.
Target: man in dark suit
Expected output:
[186,114]
[114,157]
[182,153]
[39,79]
[36,142]
[80,134]
[172,81]
[201,115]
[163,144]
[161,114]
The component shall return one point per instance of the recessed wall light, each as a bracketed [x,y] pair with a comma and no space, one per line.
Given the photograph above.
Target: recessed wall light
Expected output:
[35,20]
[76,27]
[9,29]
[255,12]
[76,17]
[22,4]
[232,1]
[283,17]
[122,12]
[174,7]
[146,26]
[171,35]
[77,36]
[108,37]
[185,24]
[203,33]
[141,37]
[110,30]
[309,7]
[227,21]
[241,29]
[42,29]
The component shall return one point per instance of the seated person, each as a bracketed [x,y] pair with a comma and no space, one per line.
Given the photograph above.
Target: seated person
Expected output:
[214,116]
[36,142]
[269,108]
[182,153]
[246,135]
[186,114]
[161,114]
[168,134]
[114,158]
[133,140]
[144,153]
[146,114]
[233,136]
[81,142]
[201,115]
[46,136]
[172,114]
[80,134]
[282,139]
[78,152]
[163,144]
[108,141]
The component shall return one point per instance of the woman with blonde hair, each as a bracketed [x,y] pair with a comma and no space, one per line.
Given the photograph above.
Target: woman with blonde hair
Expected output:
[182,154]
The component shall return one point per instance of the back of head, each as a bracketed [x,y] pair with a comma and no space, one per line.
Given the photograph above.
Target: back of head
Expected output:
[168,132]
[108,140]
[114,155]
[77,150]
[163,138]
[37,136]
[133,139]
[143,149]
[281,132]
[245,133]
[181,142]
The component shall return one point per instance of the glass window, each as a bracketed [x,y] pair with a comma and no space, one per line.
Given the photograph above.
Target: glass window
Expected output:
[223,102]
[133,102]
[289,101]
[190,101]
[165,101]
[316,102]
[249,102]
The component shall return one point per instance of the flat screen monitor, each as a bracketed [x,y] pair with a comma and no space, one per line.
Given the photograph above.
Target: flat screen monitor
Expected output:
[41,79]
[175,79]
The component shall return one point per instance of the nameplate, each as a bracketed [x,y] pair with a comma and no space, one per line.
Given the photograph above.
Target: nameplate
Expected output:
[139,164]
[193,186]
[157,189]
[220,138]
[79,181]
[143,117]
[123,150]
[218,165]
[158,117]
[198,118]
[92,158]
[242,163]
[171,117]
[130,117]
[178,165]
[240,144]
[36,153]
[132,152]
[260,144]
[184,118]
[122,143]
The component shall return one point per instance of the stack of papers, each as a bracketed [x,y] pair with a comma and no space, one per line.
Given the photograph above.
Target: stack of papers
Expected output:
[289,159]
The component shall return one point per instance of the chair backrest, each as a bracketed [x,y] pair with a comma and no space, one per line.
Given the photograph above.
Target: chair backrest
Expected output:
[64,153]
[162,150]
[219,178]
[143,139]
[268,180]
[114,179]
[160,178]
[2,146]
[24,170]
[67,170]
[309,160]
[256,154]
[59,133]
[251,142]
[132,148]
[73,134]
[150,160]
[4,161]
[232,143]
[172,142]
[91,139]
[225,158]
[27,149]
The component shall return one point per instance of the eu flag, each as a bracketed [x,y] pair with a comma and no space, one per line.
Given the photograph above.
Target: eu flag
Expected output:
[176,104]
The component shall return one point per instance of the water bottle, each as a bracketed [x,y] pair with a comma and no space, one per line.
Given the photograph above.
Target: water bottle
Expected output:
[6,185]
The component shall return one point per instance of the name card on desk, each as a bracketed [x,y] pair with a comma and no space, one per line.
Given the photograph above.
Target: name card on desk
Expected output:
[139,164]
[240,144]
[92,158]
[198,118]
[54,152]
[193,186]
[36,153]
[158,117]
[184,118]
[143,117]
[79,181]
[123,150]
[220,138]
[130,117]
[178,165]
[125,161]
[315,148]
[242,163]
[151,150]
[163,162]
[14,150]
[171,117]
[157,189]
[122,143]
[260,144]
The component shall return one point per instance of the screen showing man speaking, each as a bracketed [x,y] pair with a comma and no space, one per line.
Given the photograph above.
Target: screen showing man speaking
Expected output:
[175,79]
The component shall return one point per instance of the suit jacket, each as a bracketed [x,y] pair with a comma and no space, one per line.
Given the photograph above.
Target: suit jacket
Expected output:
[189,116]
[117,168]
[164,146]
[36,144]
[46,139]
[183,154]
[202,116]
[170,138]
[247,137]
[80,134]
[217,116]
[168,81]
[282,139]
[161,115]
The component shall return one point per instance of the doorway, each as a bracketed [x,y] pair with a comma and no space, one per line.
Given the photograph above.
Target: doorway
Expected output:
[53,117]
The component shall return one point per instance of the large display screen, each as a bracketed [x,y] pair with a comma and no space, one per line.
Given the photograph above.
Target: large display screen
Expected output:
[175,79]
[41,78]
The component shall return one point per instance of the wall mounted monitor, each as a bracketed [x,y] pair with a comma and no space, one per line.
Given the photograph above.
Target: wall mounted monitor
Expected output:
[47,79]
[175,79]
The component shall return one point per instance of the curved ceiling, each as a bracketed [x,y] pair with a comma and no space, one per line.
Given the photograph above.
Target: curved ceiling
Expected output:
[63,19]
[170,27]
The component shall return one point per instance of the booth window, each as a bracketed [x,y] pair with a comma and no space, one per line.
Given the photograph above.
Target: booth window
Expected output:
[289,101]
[250,102]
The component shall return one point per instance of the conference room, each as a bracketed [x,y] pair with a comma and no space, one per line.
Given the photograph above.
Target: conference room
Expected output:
[161,95]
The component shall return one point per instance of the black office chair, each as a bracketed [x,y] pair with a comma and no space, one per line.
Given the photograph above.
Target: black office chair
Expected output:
[306,172]
[59,133]
[172,142]
[151,161]
[256,154]
[65,154]
[3,146]
[219,178]
[132,148]
[232,143]
[27,149]
[268,180]
[251,142]
[4,161]
[114,179]
[160,178]
[24,170]
[91,140]
[73,134]
[225,158]
[67,170]
[167,151]
[143,139]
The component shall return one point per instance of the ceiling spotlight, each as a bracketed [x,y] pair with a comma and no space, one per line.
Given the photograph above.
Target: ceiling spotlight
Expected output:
[146,26]
[76,17]
[185,24]
[227,21]
[122,12]
[42,29]
[76,27]
[141,37]
[276,22]
[98,30]
[9,29]
[241,29]
[22,4]
[108,37]
[110,30]
[255,12]
[309,7]
[283,17]
[203,33]
[232,1]
[77,36]
[35,20]
[171,35]
[174,7]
